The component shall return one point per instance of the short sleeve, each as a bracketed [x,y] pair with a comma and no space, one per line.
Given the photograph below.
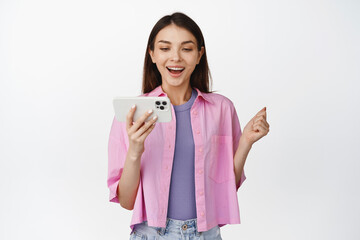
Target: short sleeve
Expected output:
[116,157]
[236,133]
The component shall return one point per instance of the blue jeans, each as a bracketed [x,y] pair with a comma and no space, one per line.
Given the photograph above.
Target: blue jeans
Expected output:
[175,230]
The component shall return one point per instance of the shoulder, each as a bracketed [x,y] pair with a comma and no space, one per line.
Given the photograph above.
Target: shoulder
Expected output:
[144,94]
[219,100]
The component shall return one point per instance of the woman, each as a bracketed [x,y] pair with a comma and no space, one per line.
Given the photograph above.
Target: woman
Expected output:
[181,178]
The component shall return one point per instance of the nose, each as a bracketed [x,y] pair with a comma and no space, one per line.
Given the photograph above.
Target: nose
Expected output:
[175,55]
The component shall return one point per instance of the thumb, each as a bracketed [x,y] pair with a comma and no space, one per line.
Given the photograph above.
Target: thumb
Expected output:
[263,109]
[260,112]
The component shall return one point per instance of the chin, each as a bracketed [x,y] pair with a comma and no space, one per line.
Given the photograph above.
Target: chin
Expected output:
[174,82]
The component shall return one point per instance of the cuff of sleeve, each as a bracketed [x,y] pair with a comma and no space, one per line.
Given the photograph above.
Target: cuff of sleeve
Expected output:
[113,192]
[242,179]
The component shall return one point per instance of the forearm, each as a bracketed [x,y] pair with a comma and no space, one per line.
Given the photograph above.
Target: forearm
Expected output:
[240,158]
[129,181]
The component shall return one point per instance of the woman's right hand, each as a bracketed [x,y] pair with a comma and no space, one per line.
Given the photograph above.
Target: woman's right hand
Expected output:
[138,131]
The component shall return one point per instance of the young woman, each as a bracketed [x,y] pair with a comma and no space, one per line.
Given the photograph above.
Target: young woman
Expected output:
[180,178]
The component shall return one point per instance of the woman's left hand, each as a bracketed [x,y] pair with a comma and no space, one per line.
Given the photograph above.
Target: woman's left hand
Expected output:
[256,128]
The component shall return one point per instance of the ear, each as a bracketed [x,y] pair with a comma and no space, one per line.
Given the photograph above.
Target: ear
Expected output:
[151,53]
[201,52]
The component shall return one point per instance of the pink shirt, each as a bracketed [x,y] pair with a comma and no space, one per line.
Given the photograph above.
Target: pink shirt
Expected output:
[216,130]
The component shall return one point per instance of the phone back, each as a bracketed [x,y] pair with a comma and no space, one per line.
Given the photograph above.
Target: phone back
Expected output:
[161,107]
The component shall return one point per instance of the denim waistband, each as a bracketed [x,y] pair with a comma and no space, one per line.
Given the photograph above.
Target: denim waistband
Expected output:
[188,226]
[189,222]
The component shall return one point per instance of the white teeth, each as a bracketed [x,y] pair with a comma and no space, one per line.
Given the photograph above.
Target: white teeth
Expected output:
[176,69]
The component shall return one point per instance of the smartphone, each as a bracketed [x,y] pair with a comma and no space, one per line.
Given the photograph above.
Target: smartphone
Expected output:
[161,107]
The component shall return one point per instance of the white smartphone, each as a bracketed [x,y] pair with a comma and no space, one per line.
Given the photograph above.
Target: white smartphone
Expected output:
[161,107]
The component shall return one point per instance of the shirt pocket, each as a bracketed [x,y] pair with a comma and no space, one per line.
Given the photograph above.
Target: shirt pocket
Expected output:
[221,159]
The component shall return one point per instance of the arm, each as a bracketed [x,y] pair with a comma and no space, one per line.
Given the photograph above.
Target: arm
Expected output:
[240,158]
[256,128]
[125,163]
[130,178]
[129,181]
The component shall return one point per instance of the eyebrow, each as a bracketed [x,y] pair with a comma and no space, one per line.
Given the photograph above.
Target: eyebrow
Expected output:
[168,42]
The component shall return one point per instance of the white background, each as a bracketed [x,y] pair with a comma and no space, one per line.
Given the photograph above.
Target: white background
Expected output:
[62,62]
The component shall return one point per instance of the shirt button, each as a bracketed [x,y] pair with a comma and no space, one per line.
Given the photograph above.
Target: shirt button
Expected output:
[200,149]
[202,214]
[200,171]
[197,132]
[169,146]
[201,193]
[170,127]
[195,113]
[166,167]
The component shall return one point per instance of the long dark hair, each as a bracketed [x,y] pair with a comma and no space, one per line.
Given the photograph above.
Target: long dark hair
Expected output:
[200,78]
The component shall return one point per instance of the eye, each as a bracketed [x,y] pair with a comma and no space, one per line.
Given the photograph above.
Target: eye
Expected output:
[164,49]
[187,49]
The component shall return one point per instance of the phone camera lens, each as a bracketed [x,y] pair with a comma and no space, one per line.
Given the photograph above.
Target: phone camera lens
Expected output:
[162,107]
[157,102]
[164,103]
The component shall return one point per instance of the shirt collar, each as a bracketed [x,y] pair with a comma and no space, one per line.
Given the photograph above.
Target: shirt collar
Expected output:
[158,92]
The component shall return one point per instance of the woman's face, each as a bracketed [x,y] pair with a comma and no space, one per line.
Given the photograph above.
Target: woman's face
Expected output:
[175,55]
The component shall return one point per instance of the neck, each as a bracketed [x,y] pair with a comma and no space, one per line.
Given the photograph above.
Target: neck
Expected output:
[178,95]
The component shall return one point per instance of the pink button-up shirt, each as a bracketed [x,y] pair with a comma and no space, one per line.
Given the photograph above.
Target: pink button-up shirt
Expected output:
[216,130]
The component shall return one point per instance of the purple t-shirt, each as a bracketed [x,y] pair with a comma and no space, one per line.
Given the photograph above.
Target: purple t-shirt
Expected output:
[182,205]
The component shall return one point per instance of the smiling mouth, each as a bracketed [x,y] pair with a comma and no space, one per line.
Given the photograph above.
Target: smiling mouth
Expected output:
[175,70]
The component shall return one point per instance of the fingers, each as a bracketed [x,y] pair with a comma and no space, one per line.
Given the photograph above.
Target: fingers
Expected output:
[259,122]
[261,118]
[145,127]
[147,132]
[262,112]
[129,117]
[261,127]
[136,125]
